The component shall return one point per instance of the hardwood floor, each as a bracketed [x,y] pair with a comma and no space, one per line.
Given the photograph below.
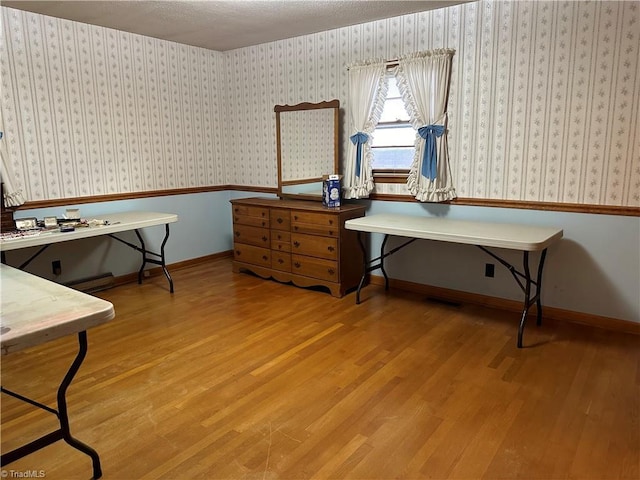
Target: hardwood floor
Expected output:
[235,377]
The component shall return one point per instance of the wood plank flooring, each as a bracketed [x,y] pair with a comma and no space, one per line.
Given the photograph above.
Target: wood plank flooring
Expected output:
[235,377]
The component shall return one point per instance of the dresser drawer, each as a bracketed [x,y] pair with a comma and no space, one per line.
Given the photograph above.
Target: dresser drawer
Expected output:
[314,267]
[251,211]
[315,218]
[280,219]
[251,215]
[327,225]
[315,246]
[281,261]
[280,241]
[251,235]
[252,254]
[262,222]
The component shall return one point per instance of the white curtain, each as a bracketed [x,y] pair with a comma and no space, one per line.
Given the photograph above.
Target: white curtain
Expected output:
[367,93]
[423,81]
[13,196]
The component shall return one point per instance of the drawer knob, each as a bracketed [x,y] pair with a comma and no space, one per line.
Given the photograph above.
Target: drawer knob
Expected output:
[331,232]
[236,209]
[265,258]
[238,252]
[296,244]
[330,222]
[280,261]
[295,217]
[279,220]
[297,264]
[331,271]
[264,223]
[264,238]
[330,248]
[236,233]
[295,227]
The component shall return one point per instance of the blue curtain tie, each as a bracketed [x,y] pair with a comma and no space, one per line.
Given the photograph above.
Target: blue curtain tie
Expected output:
[430,154]
[359,139]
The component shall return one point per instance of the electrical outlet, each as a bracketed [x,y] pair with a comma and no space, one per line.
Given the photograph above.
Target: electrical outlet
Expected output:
[56,267]
[489,270]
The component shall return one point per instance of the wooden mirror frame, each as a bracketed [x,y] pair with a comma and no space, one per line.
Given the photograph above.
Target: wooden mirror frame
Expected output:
[279,109]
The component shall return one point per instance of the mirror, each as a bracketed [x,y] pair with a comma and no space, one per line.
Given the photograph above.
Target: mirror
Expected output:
[307,142]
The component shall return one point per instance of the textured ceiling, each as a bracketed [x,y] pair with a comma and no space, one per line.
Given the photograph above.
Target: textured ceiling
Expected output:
[226,24]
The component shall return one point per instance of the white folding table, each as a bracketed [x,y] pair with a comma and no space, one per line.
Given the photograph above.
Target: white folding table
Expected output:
[34,311]
[525,238]
[114,223]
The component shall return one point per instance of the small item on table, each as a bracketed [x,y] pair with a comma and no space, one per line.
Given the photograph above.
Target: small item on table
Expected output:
[29,223]
[97,222]
[50,222]
[73,213]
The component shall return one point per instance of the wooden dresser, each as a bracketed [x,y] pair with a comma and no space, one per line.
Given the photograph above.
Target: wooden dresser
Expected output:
[297,241]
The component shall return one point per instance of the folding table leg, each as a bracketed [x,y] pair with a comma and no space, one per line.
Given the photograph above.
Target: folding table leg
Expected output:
[64,432]
[527,297]
[62,407]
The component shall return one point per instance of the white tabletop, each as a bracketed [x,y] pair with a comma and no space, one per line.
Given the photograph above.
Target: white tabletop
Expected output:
[118,222]
[35,310]
[501,235]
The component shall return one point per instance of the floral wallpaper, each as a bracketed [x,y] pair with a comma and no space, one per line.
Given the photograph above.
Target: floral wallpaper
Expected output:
[94,111]
[543,103]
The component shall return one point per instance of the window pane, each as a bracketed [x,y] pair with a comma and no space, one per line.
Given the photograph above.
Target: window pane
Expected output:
[393,158]
[392,91]
[393,144]
[393,136]
[393,111]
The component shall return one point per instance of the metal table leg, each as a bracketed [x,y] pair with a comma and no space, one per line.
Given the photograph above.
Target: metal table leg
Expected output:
[64,432]
[364,267]
[370,265]
[527,297]
[381,266]
[543,255]
[160,260]
[526,283]
[529,300]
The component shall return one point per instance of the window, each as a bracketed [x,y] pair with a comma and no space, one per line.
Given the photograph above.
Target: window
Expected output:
[393,144]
